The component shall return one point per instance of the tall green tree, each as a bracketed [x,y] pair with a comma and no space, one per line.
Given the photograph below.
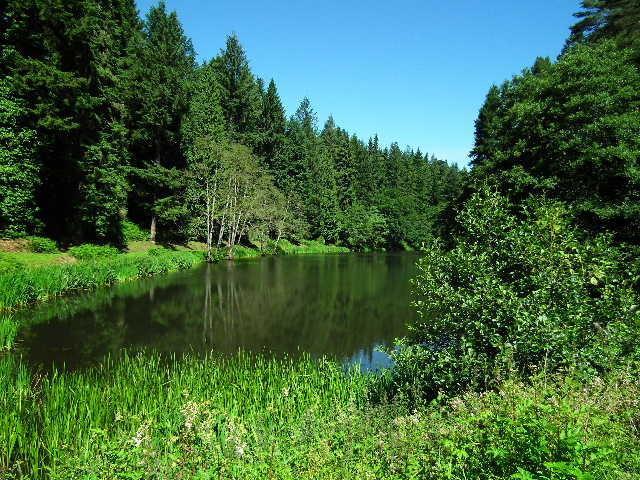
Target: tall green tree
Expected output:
[65,62]
[272,124]
[160,83]
[19,167]
[241,99]
[204,117]
[608,19]
[572,131]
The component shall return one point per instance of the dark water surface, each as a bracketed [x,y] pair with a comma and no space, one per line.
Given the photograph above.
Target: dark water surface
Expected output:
[343,306]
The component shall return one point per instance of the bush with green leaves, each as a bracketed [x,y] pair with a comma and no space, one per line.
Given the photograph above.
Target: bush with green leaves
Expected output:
[42,245]
[88,251]
[519,292]
[133,233]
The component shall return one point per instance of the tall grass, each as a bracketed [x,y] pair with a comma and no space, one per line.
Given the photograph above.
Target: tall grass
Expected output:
[8,331]
[285,247]
[249,417]
[25,286]
[60,424]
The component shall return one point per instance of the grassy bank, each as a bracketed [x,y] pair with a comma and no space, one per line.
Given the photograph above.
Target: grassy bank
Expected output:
[23,283]
[285,247]
[22,286]
[252,418]
[27,278]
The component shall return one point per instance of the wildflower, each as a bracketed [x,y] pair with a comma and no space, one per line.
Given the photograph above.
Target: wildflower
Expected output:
[142,435]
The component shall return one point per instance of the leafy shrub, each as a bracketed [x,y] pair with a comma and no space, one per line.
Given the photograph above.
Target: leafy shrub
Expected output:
[516,294]
[42,245]
[88,251]
[365,228]
[156,251]
[133,233]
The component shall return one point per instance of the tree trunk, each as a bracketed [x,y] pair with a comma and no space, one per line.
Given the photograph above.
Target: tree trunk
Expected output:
[153,228]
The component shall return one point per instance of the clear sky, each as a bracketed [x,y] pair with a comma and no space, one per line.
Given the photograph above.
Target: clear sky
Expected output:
[413,71]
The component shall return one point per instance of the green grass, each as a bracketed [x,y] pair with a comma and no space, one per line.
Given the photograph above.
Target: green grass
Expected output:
[248,417]
[25,286]
[285,247]
[30,259]
[8,332]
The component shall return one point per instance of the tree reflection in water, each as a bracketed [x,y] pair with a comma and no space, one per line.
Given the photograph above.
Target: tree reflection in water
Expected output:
[342,306]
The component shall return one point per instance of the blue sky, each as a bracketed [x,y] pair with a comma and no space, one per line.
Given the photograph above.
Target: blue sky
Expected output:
[413,71]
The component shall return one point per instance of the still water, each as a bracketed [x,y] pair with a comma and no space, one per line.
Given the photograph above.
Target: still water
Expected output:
[342,306]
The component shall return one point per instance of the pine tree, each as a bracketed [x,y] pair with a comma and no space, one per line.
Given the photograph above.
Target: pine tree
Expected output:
[608,19]
[64,61]
[159,94]
[272,124]
[204,118]
[19,167]
[484,146]
[241,99]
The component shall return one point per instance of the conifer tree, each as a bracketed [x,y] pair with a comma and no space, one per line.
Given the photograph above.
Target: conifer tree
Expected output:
[241,99]
[159,87]
[64,61]
[272,124]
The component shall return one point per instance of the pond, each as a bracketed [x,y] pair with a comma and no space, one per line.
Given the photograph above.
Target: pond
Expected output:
[341,306]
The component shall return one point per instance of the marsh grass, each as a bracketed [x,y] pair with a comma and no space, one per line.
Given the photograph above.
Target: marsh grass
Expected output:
[54,424]
[250,417]
[8,331]
[285,247]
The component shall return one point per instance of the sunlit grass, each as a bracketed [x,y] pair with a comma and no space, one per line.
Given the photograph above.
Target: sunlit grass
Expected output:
[308,247]
[8,331]
[249,417]
[25,286]
[67,420]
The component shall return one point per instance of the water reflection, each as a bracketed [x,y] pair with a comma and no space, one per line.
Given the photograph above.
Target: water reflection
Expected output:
[341,306]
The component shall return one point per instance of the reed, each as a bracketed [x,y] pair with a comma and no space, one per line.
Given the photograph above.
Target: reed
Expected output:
[8,331]
[252,417]
[308,247]
[51,425]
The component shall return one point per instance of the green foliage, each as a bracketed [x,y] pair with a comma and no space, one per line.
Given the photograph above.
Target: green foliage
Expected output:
[162,260]
[608,19]
[118,107]
[91,252]
[205,118]
[516,294]
[285,247]
[9,263]
[159,85]
[251,417]
[19,170]
[8,331]
[42,245]
[64,62]
[366,229]
[240,94]
[133,233]
[570,130]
